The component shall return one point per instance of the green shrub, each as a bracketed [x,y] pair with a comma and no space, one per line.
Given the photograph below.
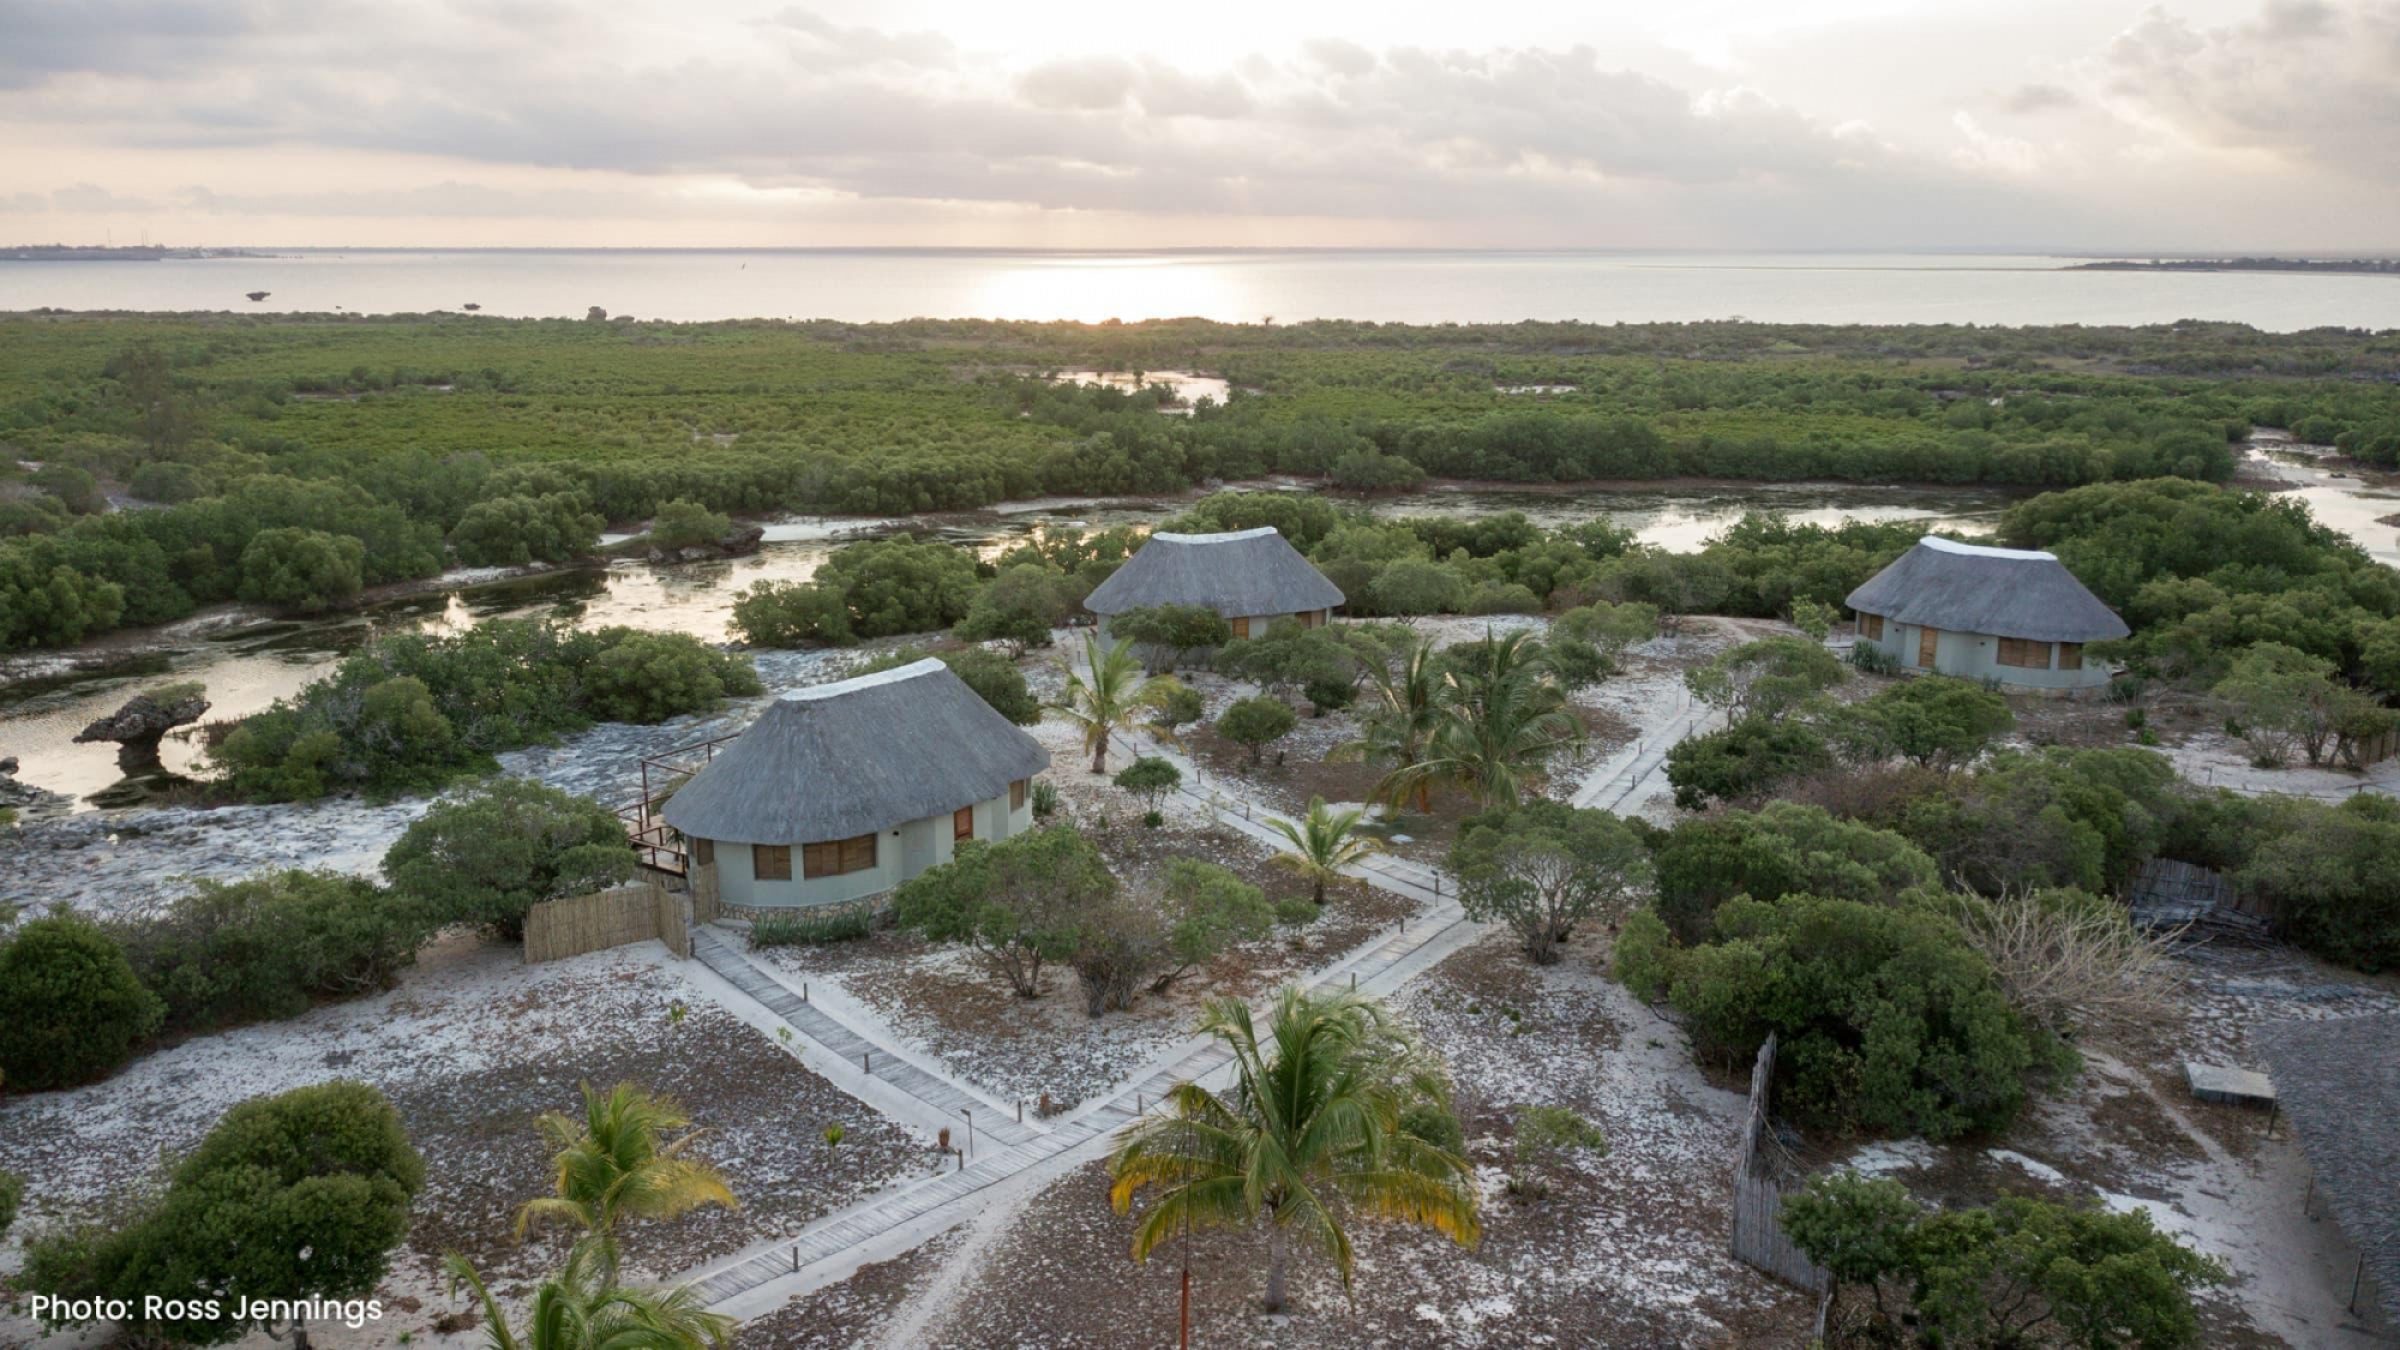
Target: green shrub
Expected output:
[684,523]
[1019,607]
[1178,703]
[71,1003]
[2329,872]
[1253,723]
[2020,1271]
[1167,635]
[300,1195]
[1888,1021]
[267,947]
[1045,799]
[644,677]
[490,855]
[1150,779]
[1874,660]
[1329,695]
[12,1193]
[1781,849]
[1545,1135]
[516,530]
[1749,759]
[790,613]
[169,481]
[1433,1122]
[806,929]
[305,570]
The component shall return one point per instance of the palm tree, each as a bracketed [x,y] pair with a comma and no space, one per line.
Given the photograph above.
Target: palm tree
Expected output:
[583,1308]
[614,1165]
[1310,1131]
[1113,700]
[1504,715]
[1323,843]
[1399,725]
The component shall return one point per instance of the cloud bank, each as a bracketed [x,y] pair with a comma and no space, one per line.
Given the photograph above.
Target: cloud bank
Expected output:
[501,120]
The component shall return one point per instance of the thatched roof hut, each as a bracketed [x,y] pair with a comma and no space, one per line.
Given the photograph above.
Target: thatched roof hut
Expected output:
[855,756]
[1242,574]
[2338,1079]
[2003,592]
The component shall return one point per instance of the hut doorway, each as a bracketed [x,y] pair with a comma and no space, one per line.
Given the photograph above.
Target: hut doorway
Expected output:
[1928,645]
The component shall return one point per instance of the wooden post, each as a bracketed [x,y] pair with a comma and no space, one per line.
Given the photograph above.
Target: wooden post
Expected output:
[970,1115]
[2357,1274]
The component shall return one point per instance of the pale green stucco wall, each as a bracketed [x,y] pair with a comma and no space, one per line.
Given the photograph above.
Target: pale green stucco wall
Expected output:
[903,851]
[1976,656]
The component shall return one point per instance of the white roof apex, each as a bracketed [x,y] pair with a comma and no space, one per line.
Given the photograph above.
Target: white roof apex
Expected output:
[1986,551]
[1225,538]
[837,688]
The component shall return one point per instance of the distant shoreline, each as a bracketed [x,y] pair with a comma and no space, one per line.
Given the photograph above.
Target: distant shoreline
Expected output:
[2388,267]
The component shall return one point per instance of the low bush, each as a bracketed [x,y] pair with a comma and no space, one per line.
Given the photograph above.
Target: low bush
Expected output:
[806,929]
[269,946]
[487,857]
[2020,1271]
[1888,1020]
[684,523]
[644,677]
[71,1003]
[1782,849]
[297,1196]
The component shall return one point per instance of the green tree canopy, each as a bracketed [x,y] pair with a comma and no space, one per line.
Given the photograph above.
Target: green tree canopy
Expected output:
[1544,867]
[488,856]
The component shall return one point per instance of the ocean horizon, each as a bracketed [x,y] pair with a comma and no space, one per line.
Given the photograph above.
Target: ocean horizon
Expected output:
[1232,284]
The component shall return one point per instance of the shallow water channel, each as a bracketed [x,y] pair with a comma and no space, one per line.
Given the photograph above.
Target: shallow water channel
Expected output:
[247,664]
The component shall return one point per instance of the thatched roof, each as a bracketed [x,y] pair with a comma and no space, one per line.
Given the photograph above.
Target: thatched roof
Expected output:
[1247,572]
[2338,1080]
[2006,592]
[869,753]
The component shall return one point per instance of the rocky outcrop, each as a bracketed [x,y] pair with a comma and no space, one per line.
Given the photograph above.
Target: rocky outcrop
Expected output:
[739,541]
[25,797]
[138,726]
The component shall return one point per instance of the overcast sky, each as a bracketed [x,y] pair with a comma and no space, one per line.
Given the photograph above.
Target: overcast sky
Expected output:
[1742,124]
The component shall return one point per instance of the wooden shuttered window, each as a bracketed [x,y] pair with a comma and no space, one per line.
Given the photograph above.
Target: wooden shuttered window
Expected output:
[838,857]
[2024,653]
[771,862]
[1241,628]
[1016,795]
[704,851]
[1870,627]
[1311,618]
[2070,656]
[962,824]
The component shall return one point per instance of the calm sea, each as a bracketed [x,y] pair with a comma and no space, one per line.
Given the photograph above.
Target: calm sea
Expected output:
[1245,286]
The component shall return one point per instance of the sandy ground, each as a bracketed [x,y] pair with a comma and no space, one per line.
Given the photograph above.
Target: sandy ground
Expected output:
[470,1048]
[1625,1249]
